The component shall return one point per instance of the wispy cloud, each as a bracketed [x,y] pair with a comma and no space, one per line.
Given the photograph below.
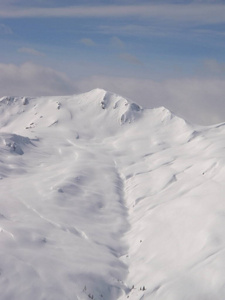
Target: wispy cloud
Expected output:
[87,42]
[30,51]
[210,32]
[159,30]
[117,42]
[199,13]
[4,29]
[130,58]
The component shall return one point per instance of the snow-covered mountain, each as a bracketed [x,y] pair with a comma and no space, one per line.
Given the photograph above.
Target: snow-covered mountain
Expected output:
[101,199]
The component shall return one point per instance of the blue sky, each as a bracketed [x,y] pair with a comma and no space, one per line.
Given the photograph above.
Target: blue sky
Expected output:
[48,47]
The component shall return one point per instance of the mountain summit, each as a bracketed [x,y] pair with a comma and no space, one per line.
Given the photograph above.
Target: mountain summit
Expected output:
[102,199]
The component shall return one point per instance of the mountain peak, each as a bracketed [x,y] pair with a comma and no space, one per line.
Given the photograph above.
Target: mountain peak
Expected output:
[102,110]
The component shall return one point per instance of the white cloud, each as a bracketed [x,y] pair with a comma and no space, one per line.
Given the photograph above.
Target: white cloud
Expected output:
[30,51]
[130,58]
[198,13]
[4,29]
[87,42]
[33,80]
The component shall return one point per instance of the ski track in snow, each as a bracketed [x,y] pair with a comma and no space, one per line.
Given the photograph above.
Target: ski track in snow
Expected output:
[101,199]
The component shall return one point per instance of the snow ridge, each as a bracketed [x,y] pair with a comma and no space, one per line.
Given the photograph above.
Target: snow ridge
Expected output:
[102,199]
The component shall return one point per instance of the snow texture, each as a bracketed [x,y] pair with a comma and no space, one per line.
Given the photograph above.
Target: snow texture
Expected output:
[101,199]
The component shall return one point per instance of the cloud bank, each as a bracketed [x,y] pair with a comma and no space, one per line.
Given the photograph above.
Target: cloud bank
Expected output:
[33,80]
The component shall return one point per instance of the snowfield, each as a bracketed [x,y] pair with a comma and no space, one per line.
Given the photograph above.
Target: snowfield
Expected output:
[101,199]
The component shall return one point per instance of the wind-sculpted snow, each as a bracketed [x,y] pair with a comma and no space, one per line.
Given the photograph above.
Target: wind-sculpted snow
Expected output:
[102,199]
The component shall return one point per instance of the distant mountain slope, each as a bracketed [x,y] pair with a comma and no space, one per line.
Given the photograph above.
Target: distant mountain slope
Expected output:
[101,199]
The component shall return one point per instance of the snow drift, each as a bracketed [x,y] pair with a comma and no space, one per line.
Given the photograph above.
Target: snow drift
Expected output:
[102,199]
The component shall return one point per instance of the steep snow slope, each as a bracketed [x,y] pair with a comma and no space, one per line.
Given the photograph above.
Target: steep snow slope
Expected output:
[101,199]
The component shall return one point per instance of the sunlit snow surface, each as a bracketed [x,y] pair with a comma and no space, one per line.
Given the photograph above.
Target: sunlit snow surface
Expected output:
[101,199]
